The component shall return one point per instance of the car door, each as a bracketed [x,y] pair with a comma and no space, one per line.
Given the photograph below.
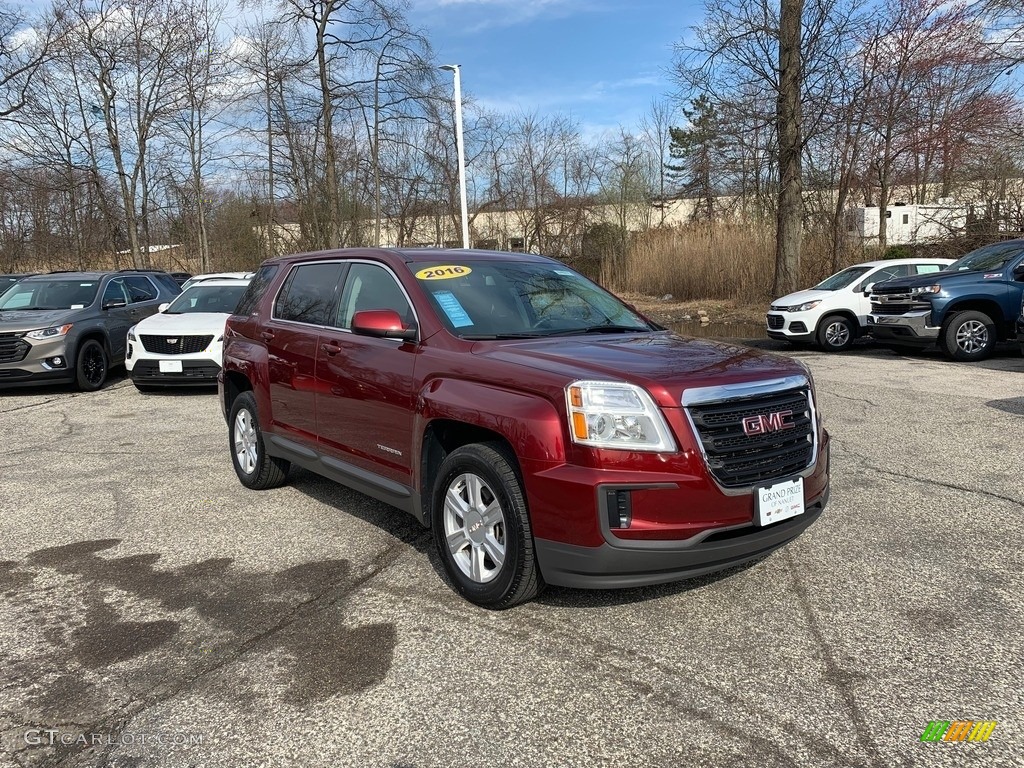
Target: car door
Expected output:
[365,392]
[117,317]
[291,334]
[862,303]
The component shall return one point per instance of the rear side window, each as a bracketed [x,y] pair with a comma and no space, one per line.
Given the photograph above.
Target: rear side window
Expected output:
[140,288]
[256,290]
[308,293]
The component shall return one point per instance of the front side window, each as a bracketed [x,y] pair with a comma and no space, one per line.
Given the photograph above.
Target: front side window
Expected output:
[115,291]
[369,286]
[50,294]
[522,299]
[308,293]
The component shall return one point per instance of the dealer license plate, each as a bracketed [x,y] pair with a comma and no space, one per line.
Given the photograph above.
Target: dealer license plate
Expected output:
[170,366]
[780,501]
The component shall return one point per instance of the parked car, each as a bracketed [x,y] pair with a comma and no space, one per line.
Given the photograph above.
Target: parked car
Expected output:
[966,309]
[72,326]
[216,276]
[181,277]
[546,432]
[182,344]
[6,281]
[834,313]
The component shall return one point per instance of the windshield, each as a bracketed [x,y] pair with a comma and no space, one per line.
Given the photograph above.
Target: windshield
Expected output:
[521,299]
[841,279]
[49,294]
[990,258]
[207,298]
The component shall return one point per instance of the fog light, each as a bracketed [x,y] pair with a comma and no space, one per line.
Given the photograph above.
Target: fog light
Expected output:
[57,362]
[619,506]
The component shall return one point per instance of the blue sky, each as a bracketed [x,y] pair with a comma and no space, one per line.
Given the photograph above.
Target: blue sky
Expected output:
[600,62]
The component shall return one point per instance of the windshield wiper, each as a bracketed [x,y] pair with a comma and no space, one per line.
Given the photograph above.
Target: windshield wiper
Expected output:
[499,336]
[604,328]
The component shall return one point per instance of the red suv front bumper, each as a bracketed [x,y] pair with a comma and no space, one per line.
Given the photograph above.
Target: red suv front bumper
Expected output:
[576,547]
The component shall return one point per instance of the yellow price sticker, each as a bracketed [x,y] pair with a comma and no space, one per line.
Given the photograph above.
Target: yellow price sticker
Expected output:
[445,272]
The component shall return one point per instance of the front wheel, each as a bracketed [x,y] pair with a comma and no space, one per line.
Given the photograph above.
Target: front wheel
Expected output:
[482,527]
[91,366]
[255,469]
[836,333]
[969,336]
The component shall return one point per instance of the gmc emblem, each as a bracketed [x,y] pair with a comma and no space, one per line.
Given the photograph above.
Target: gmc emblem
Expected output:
[772,422]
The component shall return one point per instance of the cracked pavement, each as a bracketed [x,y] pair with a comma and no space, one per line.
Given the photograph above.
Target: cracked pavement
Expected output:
[154,607]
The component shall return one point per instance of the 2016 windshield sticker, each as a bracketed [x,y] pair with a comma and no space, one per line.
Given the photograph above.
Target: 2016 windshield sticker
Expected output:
[444,272]
[455,311]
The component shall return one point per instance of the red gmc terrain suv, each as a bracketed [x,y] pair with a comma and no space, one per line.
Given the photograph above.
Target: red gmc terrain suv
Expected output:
[545,431]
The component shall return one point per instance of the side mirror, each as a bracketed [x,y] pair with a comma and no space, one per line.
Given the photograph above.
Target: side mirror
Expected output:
[115,304]
[163,307]
[1018,271]
[382,324]
[867,289]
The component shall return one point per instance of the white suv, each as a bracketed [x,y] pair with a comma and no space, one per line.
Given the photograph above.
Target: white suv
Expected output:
[183,343]
[834,312]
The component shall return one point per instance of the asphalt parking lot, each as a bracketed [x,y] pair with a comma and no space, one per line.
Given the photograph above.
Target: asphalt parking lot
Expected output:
[153,606]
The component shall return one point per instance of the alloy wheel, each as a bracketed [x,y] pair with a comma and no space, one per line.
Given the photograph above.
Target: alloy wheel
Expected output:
[245,442]
[837,334]
[972,337]
[474,527]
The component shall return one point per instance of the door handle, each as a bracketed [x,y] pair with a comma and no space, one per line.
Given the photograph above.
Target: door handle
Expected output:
[330,348]
[266,335]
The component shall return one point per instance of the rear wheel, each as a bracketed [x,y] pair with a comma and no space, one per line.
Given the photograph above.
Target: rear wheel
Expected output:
[969,336]
[836,333]
[91,366]
[482,527]
[255,469]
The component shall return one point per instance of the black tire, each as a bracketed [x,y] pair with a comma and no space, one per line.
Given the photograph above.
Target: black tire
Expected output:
[260,471]
[836,333]
[969,336]
[91,366]
[516,579]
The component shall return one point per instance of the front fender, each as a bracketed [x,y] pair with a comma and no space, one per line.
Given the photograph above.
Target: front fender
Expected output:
[529,422]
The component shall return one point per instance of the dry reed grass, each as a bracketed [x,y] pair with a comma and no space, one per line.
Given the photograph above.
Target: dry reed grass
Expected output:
[723,262]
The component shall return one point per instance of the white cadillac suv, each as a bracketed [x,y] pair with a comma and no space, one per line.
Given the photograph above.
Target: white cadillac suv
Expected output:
[182,344]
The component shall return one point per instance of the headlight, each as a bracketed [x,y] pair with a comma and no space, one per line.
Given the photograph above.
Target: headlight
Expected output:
[927,290]
[55,332]
[131,334]
[805,307]
[610,414]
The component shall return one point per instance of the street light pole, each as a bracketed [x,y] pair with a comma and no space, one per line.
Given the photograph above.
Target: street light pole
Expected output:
[456,68]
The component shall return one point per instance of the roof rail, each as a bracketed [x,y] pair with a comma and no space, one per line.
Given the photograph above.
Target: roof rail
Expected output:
[143,269]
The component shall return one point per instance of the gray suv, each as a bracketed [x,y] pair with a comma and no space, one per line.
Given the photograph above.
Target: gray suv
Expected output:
[73,326]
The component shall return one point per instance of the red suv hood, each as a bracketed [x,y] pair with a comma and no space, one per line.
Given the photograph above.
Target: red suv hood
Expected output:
[662,363]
